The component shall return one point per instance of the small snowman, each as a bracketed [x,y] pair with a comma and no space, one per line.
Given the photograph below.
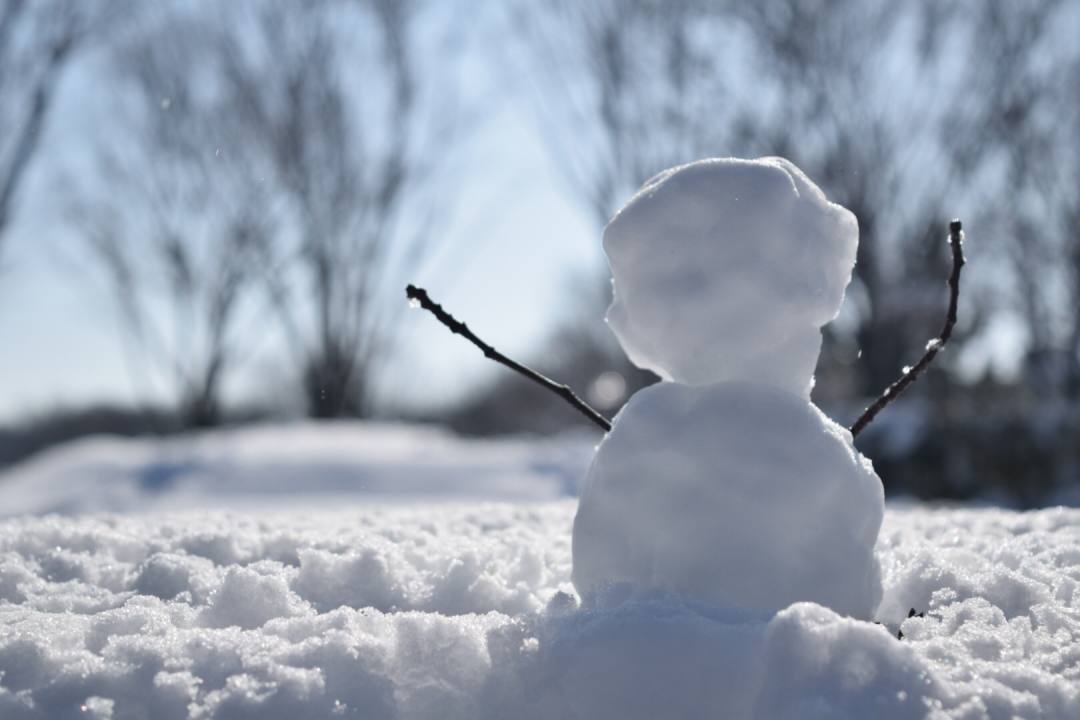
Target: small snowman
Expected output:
[724,483]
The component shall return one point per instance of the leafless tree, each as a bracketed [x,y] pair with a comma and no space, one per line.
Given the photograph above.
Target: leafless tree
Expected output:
[178,223]
[831,73]
[626,88]
[1019,134]
[664,83]
[330,100]
[623,90]
[288,171]
[37,41]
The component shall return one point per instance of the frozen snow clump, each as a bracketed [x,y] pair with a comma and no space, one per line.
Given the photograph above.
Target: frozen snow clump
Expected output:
[757,501]
[726,269]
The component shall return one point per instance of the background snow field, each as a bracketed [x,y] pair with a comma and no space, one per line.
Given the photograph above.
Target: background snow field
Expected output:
[454,610]
[305,464]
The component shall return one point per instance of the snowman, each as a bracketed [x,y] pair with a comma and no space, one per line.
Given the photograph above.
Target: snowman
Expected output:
[724,484]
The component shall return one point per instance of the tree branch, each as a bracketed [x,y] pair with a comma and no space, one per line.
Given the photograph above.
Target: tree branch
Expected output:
[419,295]
[29,135]
[910,375]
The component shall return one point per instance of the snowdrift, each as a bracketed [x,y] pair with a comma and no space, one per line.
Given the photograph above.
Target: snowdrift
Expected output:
[308,464]
[325,595]
[462,611]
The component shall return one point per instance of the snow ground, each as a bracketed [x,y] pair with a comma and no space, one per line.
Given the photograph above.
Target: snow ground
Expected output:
[452,608]
[307,464]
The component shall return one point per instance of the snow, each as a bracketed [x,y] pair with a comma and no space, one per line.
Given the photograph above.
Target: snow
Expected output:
[737,495]
[731,552]
[723,483]
[309,463]
[725,269]
[462,610]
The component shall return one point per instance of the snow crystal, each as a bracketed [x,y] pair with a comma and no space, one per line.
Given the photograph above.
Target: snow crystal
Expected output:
[725,269]
[462,611]
[737,495]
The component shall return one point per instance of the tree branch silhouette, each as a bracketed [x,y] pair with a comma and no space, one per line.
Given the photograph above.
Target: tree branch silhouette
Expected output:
[910,375]
[956,243]
[419,295]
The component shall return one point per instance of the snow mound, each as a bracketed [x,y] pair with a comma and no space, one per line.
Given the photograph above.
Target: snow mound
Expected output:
[737,495]
[726,269]
[455,611]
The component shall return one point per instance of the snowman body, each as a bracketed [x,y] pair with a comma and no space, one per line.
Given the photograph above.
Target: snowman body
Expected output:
[724,483]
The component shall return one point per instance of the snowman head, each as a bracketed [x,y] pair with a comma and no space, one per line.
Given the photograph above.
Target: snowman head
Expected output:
[726,269]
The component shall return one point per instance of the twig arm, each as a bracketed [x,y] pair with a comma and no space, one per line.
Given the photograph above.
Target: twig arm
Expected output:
[956,243]
[419,295]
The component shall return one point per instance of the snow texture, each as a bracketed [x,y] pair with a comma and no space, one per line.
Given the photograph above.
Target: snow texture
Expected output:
[737,495]
[726,269]
[454,611]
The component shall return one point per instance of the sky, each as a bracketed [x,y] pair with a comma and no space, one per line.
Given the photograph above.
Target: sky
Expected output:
[509,249]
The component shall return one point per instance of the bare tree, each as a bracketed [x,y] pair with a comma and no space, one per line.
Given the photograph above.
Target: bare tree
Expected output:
[286,154]
[1019,134]
[330,100]
[37,41]
[831,70]
[174,219]
[623,90]
[664,83]
[627,88]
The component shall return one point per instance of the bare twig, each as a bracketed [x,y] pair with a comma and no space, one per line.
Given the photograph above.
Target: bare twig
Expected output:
[910,375]
[420,296]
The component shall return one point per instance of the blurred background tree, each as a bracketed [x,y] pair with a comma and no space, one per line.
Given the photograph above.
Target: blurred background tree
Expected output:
[273,172]
[38,39]
[277,150]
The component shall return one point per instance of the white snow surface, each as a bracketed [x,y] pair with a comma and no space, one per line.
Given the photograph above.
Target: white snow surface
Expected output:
[311,464]
[726,269]
[460,610]
[350,601]
[738,495]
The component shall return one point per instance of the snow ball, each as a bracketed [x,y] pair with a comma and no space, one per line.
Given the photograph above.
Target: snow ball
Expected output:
[726,269]
[222,548]
[248,599]
[111,625]
[98,708]
[24,661]
[658,656]
[357,580]
[469,586]
[653,659]
[288,693]
[756,501]
[13,577]
[166,575]
[822,666]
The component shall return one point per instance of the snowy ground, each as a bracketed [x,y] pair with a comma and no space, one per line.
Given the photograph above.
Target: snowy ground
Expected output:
[286,465]
[451,608]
